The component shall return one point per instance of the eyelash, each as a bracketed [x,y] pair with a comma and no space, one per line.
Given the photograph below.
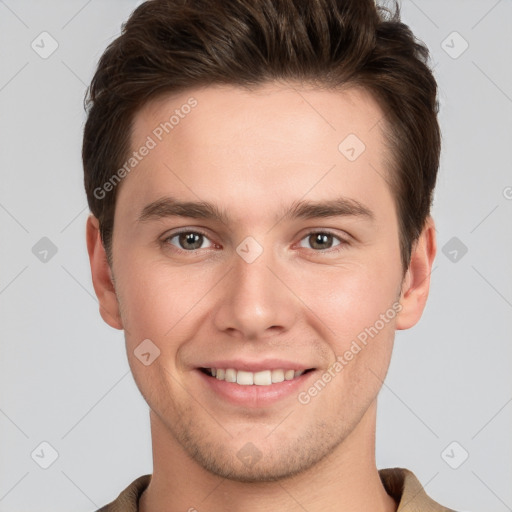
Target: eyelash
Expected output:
[341,245]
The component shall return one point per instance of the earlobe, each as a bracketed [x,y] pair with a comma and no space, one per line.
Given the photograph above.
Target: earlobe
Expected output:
[416,283]
[102,275]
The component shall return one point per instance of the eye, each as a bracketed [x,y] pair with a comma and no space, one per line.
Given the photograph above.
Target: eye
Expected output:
[321,240]
[189,240]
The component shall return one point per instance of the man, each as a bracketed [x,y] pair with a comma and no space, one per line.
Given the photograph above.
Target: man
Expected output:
[260,176]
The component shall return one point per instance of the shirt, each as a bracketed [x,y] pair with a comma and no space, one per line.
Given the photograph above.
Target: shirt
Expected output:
[401,484]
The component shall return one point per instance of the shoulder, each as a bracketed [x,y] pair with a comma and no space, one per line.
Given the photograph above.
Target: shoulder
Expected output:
[400,483]
[128,499]
[403,486]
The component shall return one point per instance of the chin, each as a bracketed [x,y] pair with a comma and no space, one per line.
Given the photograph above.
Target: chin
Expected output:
[249,464]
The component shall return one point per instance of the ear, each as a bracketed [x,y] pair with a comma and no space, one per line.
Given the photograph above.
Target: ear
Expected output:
[102,276]
[416,283]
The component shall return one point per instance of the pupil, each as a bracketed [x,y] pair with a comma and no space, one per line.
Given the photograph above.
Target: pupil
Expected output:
[320,240]
[191,240]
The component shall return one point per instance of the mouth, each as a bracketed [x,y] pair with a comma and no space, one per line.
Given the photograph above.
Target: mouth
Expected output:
[268,377]
[254,383]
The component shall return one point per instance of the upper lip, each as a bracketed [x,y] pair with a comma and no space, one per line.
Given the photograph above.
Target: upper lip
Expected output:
[256,366]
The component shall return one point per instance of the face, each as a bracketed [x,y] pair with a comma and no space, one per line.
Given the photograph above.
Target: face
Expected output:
[257,240]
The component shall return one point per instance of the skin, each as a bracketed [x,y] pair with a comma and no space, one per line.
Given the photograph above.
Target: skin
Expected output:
[253,154]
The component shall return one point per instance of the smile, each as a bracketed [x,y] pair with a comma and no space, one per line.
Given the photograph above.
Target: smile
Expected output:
[246,378]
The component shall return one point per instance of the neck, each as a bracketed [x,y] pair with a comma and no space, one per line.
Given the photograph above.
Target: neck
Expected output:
[346,480]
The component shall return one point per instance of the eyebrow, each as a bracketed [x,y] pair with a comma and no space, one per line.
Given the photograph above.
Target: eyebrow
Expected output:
[171,207]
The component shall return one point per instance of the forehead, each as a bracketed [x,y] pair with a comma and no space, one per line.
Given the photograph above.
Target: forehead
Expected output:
[312,109]
[231,144]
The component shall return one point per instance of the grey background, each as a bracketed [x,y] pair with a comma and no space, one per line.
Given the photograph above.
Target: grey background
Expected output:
[64,376]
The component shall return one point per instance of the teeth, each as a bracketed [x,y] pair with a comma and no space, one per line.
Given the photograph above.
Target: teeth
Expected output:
[230,375]
[277,375]
[289,374]
[245,378]
[263,378]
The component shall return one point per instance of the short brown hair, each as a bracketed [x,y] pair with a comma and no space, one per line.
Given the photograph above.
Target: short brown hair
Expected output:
[168,46]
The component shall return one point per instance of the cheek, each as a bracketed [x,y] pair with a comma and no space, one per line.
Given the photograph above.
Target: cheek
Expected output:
[352,299]
[160,303]
[150,299]
[360,309]
[156,305]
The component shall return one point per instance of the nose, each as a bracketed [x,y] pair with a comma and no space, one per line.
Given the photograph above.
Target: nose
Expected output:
[254,301]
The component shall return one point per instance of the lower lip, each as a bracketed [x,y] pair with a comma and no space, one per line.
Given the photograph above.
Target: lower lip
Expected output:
[256,396]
